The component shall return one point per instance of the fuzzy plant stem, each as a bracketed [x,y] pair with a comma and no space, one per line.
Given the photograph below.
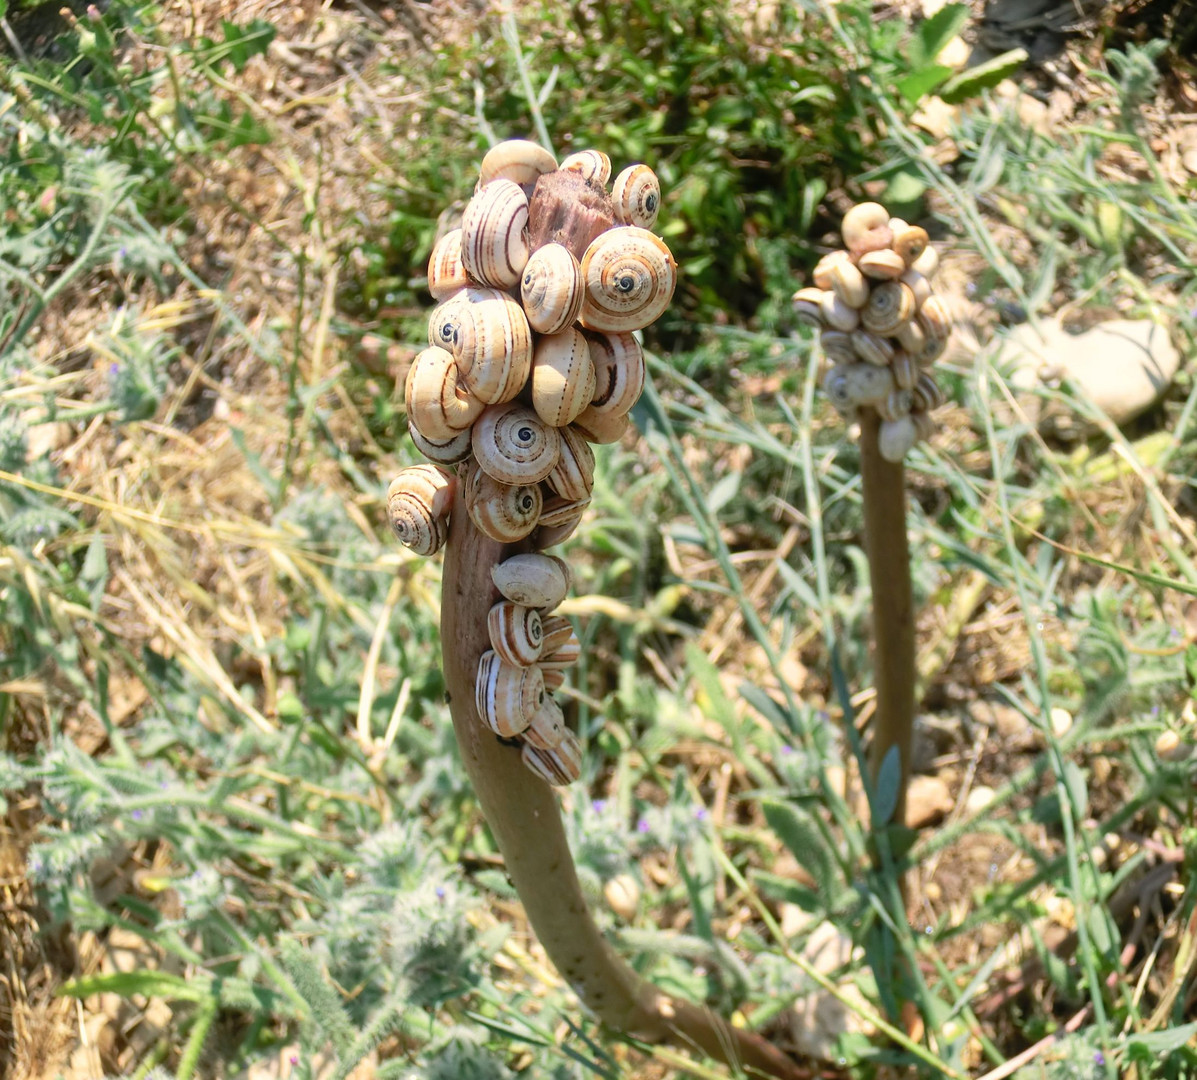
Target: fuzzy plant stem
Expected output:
[884,491]
[524,818]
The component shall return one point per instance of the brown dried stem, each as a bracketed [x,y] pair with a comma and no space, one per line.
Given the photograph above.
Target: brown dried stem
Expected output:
[524,818]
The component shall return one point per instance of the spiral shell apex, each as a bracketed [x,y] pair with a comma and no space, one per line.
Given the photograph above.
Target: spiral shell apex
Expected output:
[629,276]
[552,289]
[513,445]
[637,196]
[418,504]
[594,165]
[515,633]
[504,512]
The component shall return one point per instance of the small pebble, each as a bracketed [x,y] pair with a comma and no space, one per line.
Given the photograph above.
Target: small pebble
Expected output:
[979,798]
[1061,722]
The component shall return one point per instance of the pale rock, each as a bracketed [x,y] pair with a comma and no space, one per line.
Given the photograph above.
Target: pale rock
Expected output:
[928,801]
[936,117]
[622,894]
[979,798]
[817,1020]
[1123,366]
[954,54]
[1061,721]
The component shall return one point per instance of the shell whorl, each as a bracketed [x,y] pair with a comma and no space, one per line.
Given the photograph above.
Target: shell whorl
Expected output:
[637,196]
[513,445]
[594,165]
[438,405]
[563,377]
[507,697]
[494,234]
[418,503]
[629,276]
[551,289]
[446,274]
[489,336]
[504,512]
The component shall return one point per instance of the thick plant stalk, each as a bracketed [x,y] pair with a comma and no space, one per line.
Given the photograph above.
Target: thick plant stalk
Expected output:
[884,491]
[524,818]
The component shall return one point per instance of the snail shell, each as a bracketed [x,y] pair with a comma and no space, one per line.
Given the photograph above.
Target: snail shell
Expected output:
[637,196]
[931,352]
[821,275]
[515,633]
[513,445]
[438,406]
[838,345]
[872,348]
[562,376]
[935,318]
[919,285]
[562,657]
[442,451]
[418,504]
[601,427]
[558,632]
[911,337]
[891,303]
[547,726]
[849,284]
[905,369]
[553,680]
[837,314]
[573,476]
[850,385]
[927,396]
[559,511]
[517,160]
[488,334]
[866,228]
[910,241]
[549,535]
[446,274]
[494,235]
[897,404]
[619,372]
[927,263]
[630,276]
[561,765]
[896,438]
[533,580]
[808,305]
[507,697]
[551,289]
[505,513]
[883,265]
[924,426]
[594,165]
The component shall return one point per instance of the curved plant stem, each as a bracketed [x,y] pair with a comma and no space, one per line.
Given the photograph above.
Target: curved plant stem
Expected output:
[524,818]
[884,490]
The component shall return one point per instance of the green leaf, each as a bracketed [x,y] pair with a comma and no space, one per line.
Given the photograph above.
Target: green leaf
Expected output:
[923,81]
[244,43]
[150,983]
[1158,1043]
[972,81]
[885,801]
[934,33]
[723,492]
[796,831]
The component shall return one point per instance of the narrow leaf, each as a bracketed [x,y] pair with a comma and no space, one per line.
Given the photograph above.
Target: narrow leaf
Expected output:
[972,81]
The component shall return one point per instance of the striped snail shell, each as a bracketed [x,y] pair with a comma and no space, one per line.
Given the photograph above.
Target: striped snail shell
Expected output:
[438,406]
[601,427]
[505,513]
[619,372]
[557,631]
[919,285]
[821,275]
[932,351]
[926,396]
[927,263]
[838,345]
[488,334]
[561,765]
[910,241]
[446,274]
[850,385]
[897,404]
[532,579]
[547,726]
[872,348]
[418,504]
[594,165]
[553,680]
[911,337]
[935,318]
[808,305]
[507,697]
[442,451]
[630,276]
[562,376]
[517,160]
[515,633]
[924,428]
[573,475]
[494,235]
[837,314]
[551,289]
[565,655]
[513,445]
[896,438]
[550,535]
[444,323]
[891,303]
[883,265]
[866,228]
[636,193]
[905,370]
[849,284]
[561,511]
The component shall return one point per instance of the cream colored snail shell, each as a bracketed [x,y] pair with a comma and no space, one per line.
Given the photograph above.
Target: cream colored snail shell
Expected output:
[849,284]
[573,475]
[851,385]
[562,377]
[551,289]
[594,165]
[838,345]
[488,335]
[932,351]
[533,580]
[443,451]
[513,445]
[927,396]
[910,241]
[935,318]
[883,265]
[924,426]
[515,633]
[553,680]
[547,727]
[838,314]
[503,512]
[561,765]
[629,276]
[896,405]
[558,631]
[927,263]
[494,235]
[438,406]
[872,348]
[547,536]
[418,503]
[866,228]
[601,427]
[911,337]
[560,511]
[565,656]
[896,438]
[905,369]
[446,274]
[517,160]
[619,372]
[636,193]
[821,275]
[808,305]
[891,303]
[919,285]
[507,697]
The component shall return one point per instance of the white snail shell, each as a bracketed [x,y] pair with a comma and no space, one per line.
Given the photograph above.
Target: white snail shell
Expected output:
[919,285]
[866,228]
[561,511]
[446,274]
[808,305]
[507,697]
[553,680]
[619,372]
[849,284]
[551,289]
[838,345]
[488,334]
[418,503]
[562,657]
[494,234]
[872,348]
[637,196]
[513,445]
[442,451]
[547,726]
[883,265]
[438,406]
[896,405]
[573,475]
[838,314]
[850,385]
[905,369]
[517,160]
[505,513]
[891,303]
[594,165]
[896,438]
[558,632]
[821,275]
[932,351]
[562,377]
[935,318]
[515,633]
[927,263]
[927,396]
[911,337]
[910,241]
[561,765]
[533,580]
[601,427]
[630,276]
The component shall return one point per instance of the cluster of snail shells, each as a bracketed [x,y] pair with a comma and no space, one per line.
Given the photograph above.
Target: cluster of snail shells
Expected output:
[880,325]
[531,358]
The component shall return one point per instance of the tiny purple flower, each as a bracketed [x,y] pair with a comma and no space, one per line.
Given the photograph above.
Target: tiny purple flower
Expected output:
[701,813]
[1098,1058]
[598,805]
[642,826]
[136,815]
[440,892]
[786,748]
[113,369]
[294,1059]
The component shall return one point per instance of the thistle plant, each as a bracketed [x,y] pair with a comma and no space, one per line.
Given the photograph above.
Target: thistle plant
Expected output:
[511,391]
